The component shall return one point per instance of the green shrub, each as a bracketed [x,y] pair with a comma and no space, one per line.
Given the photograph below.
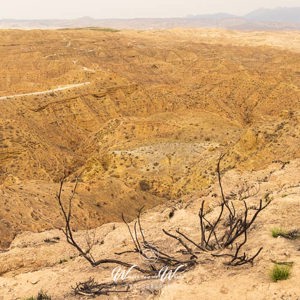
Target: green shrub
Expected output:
[144,185]
[280,272]
[291,235]
[276,232]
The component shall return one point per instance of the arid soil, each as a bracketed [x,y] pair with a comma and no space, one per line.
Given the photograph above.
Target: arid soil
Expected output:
[40,261]
[159,109]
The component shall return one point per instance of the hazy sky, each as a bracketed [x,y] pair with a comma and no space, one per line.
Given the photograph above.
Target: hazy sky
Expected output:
[45,9]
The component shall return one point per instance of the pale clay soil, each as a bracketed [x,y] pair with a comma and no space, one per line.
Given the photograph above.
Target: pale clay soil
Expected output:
[31,264]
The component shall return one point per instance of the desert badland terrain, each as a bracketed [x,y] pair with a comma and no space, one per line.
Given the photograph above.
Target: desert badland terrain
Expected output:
[142,118]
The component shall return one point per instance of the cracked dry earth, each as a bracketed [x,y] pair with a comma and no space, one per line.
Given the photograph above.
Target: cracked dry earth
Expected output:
[147,131]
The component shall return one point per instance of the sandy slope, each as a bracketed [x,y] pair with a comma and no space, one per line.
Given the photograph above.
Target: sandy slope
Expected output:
[32,264]
[160,107]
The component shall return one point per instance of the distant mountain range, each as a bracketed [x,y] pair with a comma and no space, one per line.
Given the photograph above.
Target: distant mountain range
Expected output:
[281,18]
[280,15]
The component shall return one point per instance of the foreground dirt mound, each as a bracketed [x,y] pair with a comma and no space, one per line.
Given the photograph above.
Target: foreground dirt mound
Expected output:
[45,261]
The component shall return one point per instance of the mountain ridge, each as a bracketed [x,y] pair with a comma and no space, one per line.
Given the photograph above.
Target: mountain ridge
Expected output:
[282,18]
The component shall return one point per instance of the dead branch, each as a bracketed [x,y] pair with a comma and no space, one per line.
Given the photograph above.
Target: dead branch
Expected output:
[67,214]
[141,246]
[221,234]
[92,288]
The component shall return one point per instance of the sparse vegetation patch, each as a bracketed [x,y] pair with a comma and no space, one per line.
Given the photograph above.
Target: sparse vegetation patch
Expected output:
[288,234]
[280,272]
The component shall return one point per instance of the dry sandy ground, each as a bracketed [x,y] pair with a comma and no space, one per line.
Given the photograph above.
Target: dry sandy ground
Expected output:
[281,39]
[156,99]
[31,264]
[161,107]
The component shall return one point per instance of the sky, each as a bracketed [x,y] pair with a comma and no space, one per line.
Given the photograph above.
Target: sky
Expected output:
[68,9]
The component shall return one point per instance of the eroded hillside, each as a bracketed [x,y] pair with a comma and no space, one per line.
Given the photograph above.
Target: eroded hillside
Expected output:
[159,109]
